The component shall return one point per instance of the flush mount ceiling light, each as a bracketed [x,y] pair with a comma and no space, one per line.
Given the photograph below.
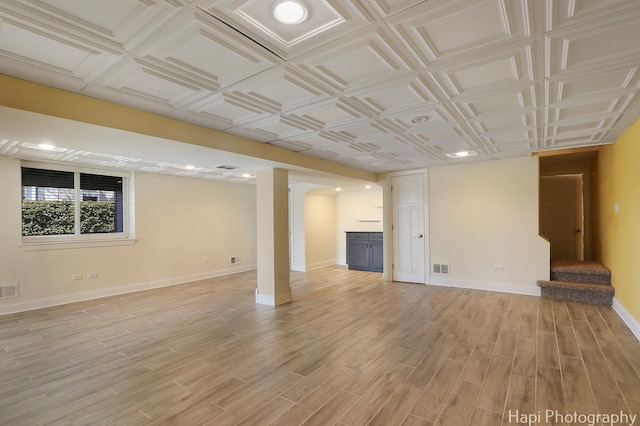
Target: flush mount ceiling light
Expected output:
[190,167]
[246,175]
[420,119]
[290,12]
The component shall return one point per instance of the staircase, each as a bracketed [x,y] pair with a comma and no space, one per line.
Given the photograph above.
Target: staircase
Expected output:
[578,281]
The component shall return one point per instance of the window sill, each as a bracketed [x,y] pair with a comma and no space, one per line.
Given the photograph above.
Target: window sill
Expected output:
[63,245]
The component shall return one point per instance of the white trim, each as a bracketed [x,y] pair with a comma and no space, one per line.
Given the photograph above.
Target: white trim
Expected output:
[73,167]
[80,297]
[530,290]
[627,318]
[115,291]
[213,274]
[75,244]
[322,264]
[265,299]
[270,300]
[78,240]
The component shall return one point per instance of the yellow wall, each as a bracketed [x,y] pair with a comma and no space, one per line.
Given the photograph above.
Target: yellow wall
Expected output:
[618,180]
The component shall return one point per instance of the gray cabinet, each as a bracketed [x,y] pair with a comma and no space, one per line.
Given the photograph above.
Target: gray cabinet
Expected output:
[364,251]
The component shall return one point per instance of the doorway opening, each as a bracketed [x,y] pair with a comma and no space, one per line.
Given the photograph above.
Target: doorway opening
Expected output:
[568,203]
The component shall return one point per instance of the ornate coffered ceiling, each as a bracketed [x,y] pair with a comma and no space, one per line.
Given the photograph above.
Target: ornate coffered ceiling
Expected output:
[379,85]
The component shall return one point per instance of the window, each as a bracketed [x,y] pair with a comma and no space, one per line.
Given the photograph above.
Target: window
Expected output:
[59,204]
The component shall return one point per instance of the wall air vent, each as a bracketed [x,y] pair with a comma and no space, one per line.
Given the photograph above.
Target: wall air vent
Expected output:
[8,291]
[441,268]
[225,167]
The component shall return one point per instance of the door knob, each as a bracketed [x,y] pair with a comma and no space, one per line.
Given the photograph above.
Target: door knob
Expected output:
[419,236]
[577,231]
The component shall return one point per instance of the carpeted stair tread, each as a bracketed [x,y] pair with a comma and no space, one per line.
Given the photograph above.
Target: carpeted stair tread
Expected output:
[602,288]
[593,294]
[580,272]
[579,267]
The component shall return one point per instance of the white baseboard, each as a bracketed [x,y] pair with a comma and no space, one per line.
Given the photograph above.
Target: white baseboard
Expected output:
[115,291]
[530,290]
[270,300]
[265,299]
[82,296]
[627,318]
[321,264]
[214,274]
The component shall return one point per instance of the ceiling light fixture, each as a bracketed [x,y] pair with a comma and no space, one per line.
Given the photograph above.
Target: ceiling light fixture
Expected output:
[246,175]
[421,119]
[367,187]
[290,12]
[47,146]
[190,167]
[338,189]
[461,154]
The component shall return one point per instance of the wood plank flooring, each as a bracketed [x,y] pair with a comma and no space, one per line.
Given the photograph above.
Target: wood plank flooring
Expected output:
[350,350]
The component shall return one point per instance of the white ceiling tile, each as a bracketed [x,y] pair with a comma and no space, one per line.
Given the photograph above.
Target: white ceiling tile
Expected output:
[387,8]
[198,45]
[398,97]
[576,48]
[45,49]
[326,20]
[501,77]
[505,102]
[612,81]
[562,13]
[367,59]
[333,113]
[281,89]
[440,30]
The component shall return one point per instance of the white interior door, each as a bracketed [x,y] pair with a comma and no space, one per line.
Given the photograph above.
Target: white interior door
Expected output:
[409,237]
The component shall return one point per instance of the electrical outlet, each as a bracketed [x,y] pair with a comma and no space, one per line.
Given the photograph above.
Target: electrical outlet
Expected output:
[498,268]
[205,260]
[233,260]
[76,277]
[92,275]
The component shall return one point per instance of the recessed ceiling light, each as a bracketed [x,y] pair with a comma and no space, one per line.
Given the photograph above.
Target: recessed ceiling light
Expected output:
[290,12]
[367,187]
[246,175]
[190,167]
[338,189]
[47,146]
[421,119]
[461,154]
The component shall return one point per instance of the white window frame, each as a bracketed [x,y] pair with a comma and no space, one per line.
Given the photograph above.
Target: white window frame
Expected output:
[77,240]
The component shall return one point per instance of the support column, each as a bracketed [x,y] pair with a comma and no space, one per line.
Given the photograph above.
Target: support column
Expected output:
[273,237]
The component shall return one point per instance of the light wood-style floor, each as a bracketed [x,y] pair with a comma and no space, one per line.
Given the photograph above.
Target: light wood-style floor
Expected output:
[350,350]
